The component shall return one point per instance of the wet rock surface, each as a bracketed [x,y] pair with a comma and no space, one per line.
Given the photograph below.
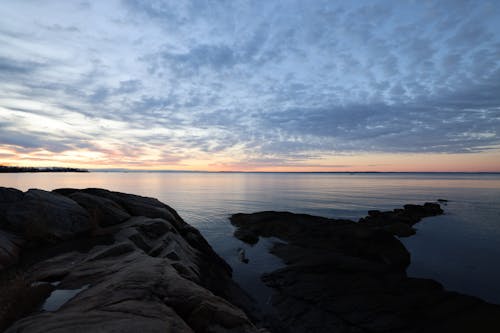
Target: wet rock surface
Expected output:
[138,265]
[346,276]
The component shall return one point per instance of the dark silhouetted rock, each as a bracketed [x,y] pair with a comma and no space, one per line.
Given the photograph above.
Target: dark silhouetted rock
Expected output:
[44,215]
[247,236]
[400,229]
[10,195]
[7,197]
[346,236]
[343,276]
[10,249]
[153,272]
[399,222]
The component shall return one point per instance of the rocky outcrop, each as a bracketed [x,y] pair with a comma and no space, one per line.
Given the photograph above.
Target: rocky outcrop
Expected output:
[43,216]
[129,264]
[343,276]
[343,236]
[400,222]
[105,212]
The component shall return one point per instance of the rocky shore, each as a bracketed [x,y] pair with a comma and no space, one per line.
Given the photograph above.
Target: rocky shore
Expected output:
[94,260]
[99,261]
[346,276]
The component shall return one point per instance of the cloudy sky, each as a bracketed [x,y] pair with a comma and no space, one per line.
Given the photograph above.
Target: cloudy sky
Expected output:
[251,85]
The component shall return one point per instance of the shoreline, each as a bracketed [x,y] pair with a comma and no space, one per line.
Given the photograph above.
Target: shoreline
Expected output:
[345,275]
[17,169]
[123,227]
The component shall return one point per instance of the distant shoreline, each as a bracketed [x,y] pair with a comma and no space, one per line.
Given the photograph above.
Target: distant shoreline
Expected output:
[12,169]
[16,169]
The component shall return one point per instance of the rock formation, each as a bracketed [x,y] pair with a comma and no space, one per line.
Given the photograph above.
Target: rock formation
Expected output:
[93,260]
[344,276]
[133,264]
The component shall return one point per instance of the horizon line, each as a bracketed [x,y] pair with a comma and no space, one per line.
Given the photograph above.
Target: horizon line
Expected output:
[45,168]
[256,171]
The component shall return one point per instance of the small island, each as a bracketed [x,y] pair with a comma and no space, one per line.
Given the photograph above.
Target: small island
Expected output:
[18,169]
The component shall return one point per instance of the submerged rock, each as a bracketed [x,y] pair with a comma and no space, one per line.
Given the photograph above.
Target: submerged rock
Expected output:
[135,266]
[343,276]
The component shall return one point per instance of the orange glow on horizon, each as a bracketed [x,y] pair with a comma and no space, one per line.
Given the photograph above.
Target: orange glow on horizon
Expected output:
[488,161]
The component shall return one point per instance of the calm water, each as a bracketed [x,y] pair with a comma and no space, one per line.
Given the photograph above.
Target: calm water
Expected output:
[460,249]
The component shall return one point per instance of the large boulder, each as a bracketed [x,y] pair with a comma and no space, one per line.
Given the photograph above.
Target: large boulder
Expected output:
[45,216]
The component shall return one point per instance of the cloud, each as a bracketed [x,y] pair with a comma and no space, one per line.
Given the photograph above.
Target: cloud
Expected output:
[266,81]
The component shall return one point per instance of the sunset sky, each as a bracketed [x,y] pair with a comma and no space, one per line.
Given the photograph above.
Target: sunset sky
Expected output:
[251,85]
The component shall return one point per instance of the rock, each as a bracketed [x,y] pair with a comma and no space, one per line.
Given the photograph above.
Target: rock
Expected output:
[343,276]
[10,195]
[127,284]
[134,204]
[428,209]
[132,291]
[399,222]
[10,248]
[153,272]
[105,212]
[45,216]
[246,236]
[114,250]
[7,197]
[242,256]
[348,237]
[400,229]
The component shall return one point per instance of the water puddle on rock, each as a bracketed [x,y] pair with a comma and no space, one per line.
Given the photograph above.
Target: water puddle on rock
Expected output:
[59,297]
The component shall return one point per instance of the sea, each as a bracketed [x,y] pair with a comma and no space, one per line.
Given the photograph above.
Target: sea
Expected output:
[460,249]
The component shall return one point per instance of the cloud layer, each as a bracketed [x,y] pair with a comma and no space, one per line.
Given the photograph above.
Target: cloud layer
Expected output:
[165,83]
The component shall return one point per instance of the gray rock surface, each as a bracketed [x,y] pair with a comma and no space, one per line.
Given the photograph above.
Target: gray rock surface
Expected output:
[46,216]
[343,276]
[142,269]
[104,211]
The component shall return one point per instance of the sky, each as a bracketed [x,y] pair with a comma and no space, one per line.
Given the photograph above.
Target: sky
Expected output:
[251,85]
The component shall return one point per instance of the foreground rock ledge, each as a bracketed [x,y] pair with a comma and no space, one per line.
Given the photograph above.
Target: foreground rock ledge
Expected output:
[344,276]
[139,266]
